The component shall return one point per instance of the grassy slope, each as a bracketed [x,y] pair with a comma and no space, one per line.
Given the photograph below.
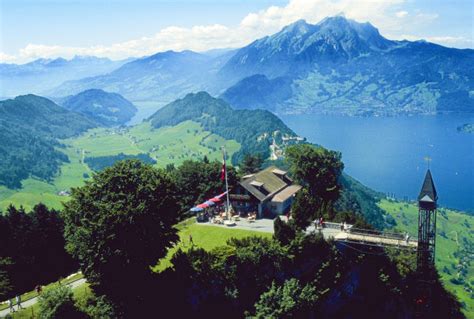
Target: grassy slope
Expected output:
[207,237]
[187,139]
[455,232]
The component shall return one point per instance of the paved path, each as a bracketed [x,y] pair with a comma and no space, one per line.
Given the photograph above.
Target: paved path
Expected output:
[332,230]
[32,301]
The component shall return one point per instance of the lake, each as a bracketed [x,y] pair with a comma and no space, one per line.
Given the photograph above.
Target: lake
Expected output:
[389,154]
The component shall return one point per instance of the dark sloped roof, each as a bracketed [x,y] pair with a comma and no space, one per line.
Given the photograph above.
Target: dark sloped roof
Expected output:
[428,190]
[271,183]
[286,193]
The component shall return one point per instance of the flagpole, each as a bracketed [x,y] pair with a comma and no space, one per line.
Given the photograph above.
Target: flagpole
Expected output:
[226,183]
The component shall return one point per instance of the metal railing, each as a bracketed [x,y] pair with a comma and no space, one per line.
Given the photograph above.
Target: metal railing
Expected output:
[400,238]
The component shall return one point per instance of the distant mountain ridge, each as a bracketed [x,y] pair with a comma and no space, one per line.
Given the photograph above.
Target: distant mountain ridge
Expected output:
[44,74]
[335,66]
[341,66]
[106,108]
[161,77]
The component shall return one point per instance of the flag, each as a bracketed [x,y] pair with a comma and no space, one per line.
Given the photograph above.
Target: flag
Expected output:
[223,168]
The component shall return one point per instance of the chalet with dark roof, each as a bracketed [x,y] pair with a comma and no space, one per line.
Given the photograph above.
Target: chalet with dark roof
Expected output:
[268,193]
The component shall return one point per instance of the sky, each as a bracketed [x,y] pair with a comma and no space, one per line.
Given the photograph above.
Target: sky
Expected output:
[118,29]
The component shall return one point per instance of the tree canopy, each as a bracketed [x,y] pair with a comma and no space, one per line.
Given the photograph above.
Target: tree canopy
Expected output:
[117,225]
[316,168]
[251,164]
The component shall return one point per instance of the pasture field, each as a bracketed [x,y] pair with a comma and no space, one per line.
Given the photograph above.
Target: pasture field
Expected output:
[454,247]
[167,145]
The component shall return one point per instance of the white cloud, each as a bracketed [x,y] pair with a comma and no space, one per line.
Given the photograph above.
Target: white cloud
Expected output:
[381,13]
[401,14]
[443,40]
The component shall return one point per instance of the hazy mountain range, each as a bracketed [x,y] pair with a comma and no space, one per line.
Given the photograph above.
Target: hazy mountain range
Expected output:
[43,74]
[335,66]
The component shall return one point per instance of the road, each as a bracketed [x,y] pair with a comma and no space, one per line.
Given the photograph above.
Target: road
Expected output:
[32,301]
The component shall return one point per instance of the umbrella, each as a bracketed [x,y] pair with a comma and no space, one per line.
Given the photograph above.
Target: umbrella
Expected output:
[209,203]
[218,198]
[203,205]
[196,209]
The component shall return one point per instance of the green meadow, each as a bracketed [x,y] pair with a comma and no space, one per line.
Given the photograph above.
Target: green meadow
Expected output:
[167,145]
[204,236]
[454,247]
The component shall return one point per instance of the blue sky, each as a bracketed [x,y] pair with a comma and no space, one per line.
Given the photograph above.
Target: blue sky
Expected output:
[121,28]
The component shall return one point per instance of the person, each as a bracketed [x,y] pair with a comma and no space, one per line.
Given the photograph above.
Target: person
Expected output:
[407,238]
[191,240]
[18,302]
[38,289]
[345,226]
[10,304]
[321,222]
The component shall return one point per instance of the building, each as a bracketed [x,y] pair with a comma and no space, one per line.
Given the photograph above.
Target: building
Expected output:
[268,193]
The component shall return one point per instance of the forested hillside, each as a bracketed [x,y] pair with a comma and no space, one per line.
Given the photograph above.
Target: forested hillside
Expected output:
[255,130]
[108,109]
[30,127]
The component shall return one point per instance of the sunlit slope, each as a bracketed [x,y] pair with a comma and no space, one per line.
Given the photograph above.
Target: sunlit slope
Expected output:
[454,247]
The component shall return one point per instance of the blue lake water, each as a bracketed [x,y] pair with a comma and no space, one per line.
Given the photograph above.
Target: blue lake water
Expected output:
[388,153]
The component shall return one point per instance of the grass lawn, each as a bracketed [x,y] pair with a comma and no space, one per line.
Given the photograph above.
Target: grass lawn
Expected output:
[454,247]
[206,237]
[167,145]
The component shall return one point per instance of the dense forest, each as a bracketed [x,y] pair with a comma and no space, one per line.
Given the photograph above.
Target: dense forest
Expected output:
[253,129]
[32,250]
[108,109]
[101,162]
[29,128]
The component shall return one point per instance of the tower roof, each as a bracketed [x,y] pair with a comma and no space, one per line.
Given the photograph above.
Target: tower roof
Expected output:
[428,190]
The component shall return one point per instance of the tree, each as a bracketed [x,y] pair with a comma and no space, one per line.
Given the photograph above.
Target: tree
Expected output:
[58,302]
[5,285]
[251,164]
[316,168]
[304,209]
[288,301]
[117,225]
[284,232]
[198,181]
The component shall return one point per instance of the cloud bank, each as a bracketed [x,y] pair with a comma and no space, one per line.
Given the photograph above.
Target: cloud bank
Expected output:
[384,14]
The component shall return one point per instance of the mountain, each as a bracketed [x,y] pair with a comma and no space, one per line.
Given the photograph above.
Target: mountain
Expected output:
[335,66]
[342,66]
[258,92]
[108,109]
[30,127]
[301,44]
[161,77]
[44,74]
[255,130]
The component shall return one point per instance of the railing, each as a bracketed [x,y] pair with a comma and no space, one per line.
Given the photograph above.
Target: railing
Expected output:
[366,234]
